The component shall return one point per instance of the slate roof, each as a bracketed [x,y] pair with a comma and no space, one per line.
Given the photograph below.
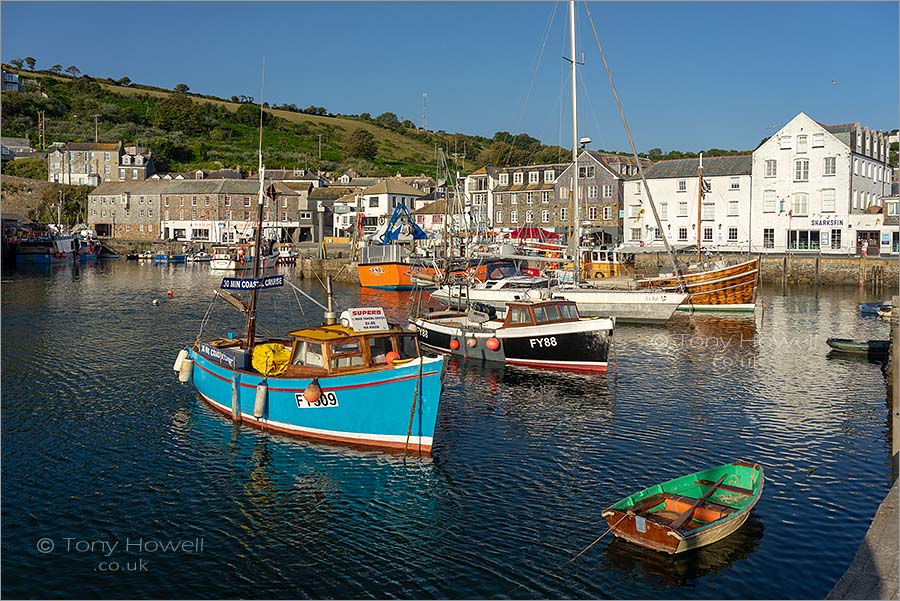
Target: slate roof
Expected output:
[15,142]
[437,207]
[712,166]
[842,128]
[188,186]
[393,186]
[330,193]
[91,146]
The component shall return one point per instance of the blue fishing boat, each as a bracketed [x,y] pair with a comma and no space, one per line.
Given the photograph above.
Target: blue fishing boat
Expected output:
[168,258]
[356,380]
[873,308]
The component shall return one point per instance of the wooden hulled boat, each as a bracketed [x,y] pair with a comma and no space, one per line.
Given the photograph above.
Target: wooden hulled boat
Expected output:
[730,288]
[859,347]
[536,333]
[691,511]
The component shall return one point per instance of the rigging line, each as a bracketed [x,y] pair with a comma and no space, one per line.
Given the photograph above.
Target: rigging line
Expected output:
[637,159]
[206,317]
[599,135]
[537,64]
[321,306]
[580,553]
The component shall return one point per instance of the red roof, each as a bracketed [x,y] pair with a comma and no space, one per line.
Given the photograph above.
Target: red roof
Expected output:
[533,233]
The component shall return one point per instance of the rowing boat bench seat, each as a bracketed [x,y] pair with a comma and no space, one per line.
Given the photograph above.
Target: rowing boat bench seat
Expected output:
[664,508]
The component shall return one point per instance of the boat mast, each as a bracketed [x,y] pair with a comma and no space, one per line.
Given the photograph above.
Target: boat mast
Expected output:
[576,212]
[251,314]
[699,207]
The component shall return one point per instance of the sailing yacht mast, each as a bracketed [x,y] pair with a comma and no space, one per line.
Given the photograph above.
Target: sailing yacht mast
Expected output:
[699,207]
[576,209]
[257,253]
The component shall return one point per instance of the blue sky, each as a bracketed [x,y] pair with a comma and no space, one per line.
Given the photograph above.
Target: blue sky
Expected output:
[691,75]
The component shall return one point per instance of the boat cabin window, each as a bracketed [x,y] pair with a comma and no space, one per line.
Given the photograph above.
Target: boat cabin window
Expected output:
[569,311]
[379,348]
[540,314]
[309,354]
[346,354]
[552,312]
[518,315]
[498,271]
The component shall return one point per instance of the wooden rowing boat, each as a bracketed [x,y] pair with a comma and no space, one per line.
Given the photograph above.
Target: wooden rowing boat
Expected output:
[862,347]
[690,511]
[731,288]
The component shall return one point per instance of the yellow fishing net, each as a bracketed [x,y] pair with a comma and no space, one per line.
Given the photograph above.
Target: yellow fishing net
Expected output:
[271,359]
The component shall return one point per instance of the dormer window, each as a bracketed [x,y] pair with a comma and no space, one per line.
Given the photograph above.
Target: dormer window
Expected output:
[504,179]
[126,159]
[549,176]
[138,160]
[518,178]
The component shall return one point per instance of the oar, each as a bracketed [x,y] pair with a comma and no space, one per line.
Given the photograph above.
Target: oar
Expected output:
[680,520]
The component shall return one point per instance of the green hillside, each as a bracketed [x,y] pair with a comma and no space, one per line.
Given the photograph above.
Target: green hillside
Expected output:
[189,131]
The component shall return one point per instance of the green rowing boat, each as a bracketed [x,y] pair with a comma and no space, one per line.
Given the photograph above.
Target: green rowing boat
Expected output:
[691,511]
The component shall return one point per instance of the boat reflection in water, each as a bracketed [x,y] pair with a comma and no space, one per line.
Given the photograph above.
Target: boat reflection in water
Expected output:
[674,571]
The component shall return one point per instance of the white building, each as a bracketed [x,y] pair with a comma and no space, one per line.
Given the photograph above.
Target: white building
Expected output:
[812,185]
[376,204]
[726,209]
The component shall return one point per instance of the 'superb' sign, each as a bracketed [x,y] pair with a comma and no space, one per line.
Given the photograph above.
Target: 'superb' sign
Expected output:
[367,319]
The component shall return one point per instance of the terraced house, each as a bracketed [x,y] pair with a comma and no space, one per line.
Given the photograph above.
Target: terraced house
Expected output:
[519,196]
[89,163]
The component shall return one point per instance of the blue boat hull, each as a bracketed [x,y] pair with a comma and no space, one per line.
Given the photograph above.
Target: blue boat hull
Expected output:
[169,259]
[371,409]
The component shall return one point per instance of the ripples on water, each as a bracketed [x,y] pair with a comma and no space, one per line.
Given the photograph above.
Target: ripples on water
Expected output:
[100,442]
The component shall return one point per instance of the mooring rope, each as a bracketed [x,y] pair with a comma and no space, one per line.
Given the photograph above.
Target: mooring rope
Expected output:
[579,554]
[412,409]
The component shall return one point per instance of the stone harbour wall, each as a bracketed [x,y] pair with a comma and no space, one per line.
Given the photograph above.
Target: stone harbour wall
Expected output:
[800,269]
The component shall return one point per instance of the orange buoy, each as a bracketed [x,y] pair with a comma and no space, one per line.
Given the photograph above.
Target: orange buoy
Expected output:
[170,294]
[313,392]
[471,342]
[391,357]
[492,343]
[454,345]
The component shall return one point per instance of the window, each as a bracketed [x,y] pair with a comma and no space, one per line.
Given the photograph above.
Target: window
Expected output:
[373,202]
[607,213]
[513,198]
[563,214]
[592,192]
[165,201]
[801,144]
[707,234]
[518,178]
[682,208]
[167,215]
[564,192]
[519,315]
[134,174]
[193,201]
[499,217]
[126,160]
[284,216]
[529,198]
[709,211]
[586,171]
[534,177]
[246,201]
[106,169]
[607,191]
[768,201]
[635,233]
[769,237]
[549,176]
[732,234]
[801,170]
[545,196]
[637,188]
[771,168]
[800,204]
[663,210]
[803,239]
[306,215]
[346,354]
[856,166]
[818,140]
[105,156]
[545,216]
[707,186]
[121,173]
[504,179]
[592,213]
[830,163]
[246,215]
[514,216]
[893,208]
[634,211]
[227,201]
[836,239]
[657,235]
[682,185]
[733,208]
[735,183]
[529,217]
[682,234]
[828,200]
[785,142]
[500,198]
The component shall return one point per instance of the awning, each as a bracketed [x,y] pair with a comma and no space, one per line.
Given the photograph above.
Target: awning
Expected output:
[533,233]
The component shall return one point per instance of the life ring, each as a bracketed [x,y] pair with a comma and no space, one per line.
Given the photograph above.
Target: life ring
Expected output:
[381,220]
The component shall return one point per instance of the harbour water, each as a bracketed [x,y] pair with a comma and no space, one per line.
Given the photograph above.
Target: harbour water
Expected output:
[118,482]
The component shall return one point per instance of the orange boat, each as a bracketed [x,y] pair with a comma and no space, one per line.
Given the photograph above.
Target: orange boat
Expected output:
[396,275]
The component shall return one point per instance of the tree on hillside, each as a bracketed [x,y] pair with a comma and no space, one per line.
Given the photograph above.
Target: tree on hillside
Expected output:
[56,69]
[31,62]
[366,117]
[388,121]
[30,168]
[362,144]
[16,62]
[124,81]
[73,71]
[234,99]
[181,88]
[655,153]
